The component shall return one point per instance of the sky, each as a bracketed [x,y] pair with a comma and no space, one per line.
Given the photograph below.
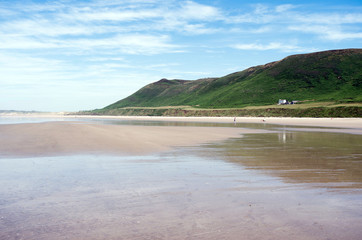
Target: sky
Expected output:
[67,55]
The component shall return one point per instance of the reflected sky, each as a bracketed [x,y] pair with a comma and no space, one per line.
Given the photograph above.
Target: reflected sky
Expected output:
[17,119]
[174,195]
[330,160]
[279,185]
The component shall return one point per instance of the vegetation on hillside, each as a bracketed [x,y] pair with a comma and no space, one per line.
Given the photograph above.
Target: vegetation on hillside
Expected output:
[321,109]
[322,76]
[331,80]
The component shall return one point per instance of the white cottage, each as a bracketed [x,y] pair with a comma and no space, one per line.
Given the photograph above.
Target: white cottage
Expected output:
[282,102]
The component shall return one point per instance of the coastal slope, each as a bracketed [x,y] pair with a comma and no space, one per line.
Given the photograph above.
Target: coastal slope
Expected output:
[322,76]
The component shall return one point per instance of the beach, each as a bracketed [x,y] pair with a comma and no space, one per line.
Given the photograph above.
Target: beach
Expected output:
[75,137]
[59,138]
[314,122]
[87,177]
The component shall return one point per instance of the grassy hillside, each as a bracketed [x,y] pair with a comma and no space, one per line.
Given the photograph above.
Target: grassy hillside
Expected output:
[323,76]
[310,109]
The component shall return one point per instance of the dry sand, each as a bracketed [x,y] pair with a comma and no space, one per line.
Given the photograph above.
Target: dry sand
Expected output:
[54,138]
[341,125]
[312,122]
[315,122]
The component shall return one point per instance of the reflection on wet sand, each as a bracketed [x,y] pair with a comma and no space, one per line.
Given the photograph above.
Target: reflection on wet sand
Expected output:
[279,185]
[171,196]
[326,159]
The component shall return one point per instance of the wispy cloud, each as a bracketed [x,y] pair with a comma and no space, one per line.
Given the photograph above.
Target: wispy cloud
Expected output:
[9,42]
[329,18]
[138,27]
[51,28]
[194,11]
[112,25]
[333,33]
[118,15]
[287,16]
[270,46]
[130,43]
[284,7]
[121,43]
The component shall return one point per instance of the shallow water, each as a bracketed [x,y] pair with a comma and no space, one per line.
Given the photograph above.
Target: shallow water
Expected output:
[282,185]
[16,119]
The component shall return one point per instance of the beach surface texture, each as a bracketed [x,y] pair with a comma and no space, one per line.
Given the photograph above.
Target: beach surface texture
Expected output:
[71,177]
[76,137]
[59,138]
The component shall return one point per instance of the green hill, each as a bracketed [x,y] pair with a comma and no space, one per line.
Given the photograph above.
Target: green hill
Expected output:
[334,75]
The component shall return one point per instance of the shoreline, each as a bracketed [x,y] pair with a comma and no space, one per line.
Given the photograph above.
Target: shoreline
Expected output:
[355,123]
[62,136]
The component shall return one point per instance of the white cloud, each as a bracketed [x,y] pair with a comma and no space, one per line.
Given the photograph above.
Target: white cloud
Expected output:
[282,15]
[104,59]
[198,29]
[195,11]
[127,43]
[109,25]
[261,9]
[44,27]
[124,43]
[329,18]
[113,15]
[260,14]
[270,46]
[86,45]
[252,30]
[339,36]
[25,43]
[284,7]
[327,32]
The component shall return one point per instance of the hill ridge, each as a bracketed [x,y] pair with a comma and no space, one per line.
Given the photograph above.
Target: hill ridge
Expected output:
[333,75]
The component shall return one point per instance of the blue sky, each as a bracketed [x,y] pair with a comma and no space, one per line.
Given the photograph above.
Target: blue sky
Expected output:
[78,55]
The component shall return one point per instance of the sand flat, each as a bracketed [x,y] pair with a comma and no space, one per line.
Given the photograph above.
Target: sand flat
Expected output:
[355,123]
[315,122]
[282,185]
[53,138]
[66,137]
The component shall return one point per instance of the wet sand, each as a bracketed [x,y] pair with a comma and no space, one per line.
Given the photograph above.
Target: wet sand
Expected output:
[355,123]
[62,138]
[316,122]
[212,192]
[67,137]
[59,181]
